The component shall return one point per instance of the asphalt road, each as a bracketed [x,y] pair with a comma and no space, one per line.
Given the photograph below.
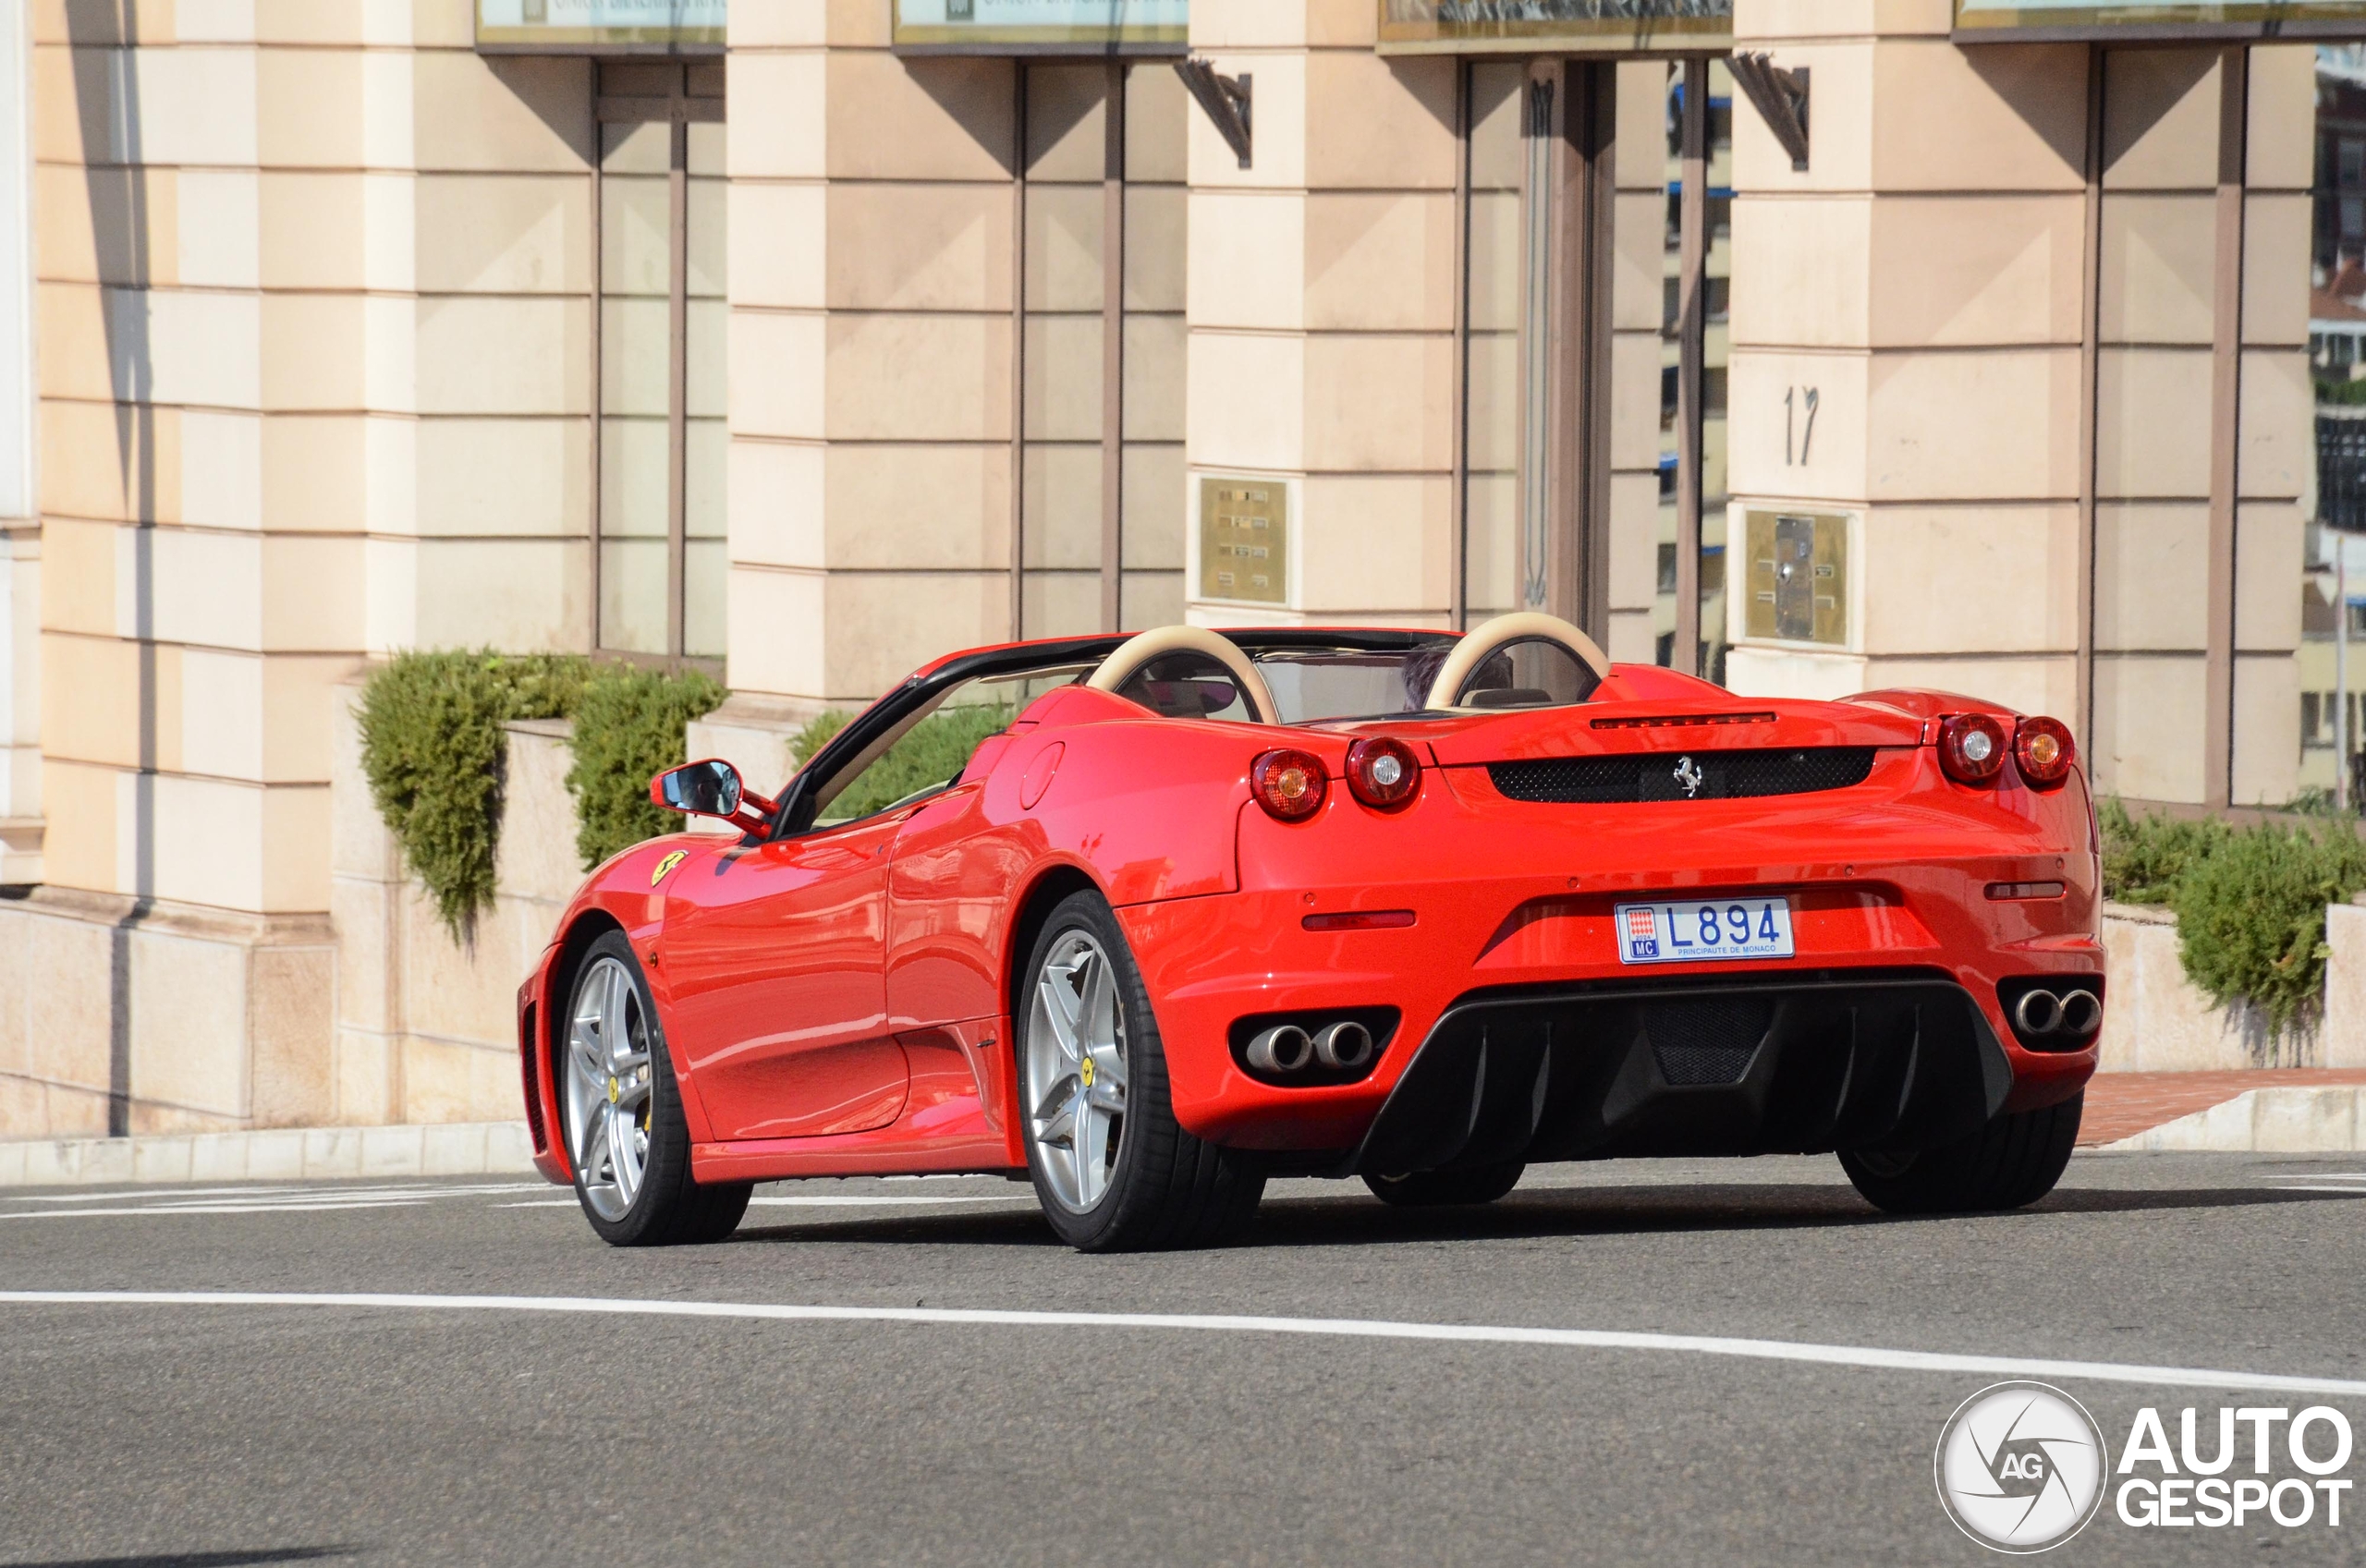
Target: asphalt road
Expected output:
[175,1431]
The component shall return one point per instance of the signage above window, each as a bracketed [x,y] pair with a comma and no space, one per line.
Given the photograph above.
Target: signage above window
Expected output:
[2026,19]
[1044,27]
[1588,27]
[582,27]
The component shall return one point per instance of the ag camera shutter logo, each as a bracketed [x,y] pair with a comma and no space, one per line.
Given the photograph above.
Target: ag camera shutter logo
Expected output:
[2020,1467]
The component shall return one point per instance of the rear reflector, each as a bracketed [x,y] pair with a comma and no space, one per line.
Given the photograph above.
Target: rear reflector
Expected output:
[1362,920]
[2003,890]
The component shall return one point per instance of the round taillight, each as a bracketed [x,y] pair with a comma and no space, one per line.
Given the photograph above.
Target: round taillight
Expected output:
[2042,748]
[1288,784]
[1382,772]
[1972,747]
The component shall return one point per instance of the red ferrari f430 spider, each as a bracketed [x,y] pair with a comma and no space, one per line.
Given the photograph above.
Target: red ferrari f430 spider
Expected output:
[1152,920]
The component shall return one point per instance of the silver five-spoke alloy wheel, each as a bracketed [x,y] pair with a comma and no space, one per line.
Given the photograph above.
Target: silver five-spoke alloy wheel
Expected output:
[608,1088]
[1075,1070]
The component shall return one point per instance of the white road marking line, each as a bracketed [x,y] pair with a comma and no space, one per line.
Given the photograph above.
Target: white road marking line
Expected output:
[2347,1192]
[824,1202]
[314,1207]
[157,1192]
[1869,1356]
[405,1189]
[819,1202]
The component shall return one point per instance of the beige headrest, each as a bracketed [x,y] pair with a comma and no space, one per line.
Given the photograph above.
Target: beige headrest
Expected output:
[1483,643]
[1131,655]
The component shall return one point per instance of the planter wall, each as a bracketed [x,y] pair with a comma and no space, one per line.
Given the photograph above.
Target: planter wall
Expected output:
[426,1027]
[2158,1021]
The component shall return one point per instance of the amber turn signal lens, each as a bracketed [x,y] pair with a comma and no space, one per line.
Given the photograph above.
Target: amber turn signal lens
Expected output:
[1972,747]
[1382,772]
[1289,785]
[2042,748]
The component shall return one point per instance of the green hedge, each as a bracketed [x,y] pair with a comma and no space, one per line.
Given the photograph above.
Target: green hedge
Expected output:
[2250,902]
[435,754]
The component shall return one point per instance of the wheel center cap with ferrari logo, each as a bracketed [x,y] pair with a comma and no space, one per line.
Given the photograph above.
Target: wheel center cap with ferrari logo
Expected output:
[1085,1071]
[616,1092]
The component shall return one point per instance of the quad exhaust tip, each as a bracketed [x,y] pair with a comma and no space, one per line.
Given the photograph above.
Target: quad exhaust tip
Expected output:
[1284,1048]
[1287,1049]
[1346,1044]
[2077,1014]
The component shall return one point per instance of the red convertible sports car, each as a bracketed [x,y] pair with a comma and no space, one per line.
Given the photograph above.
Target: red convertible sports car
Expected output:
[1154,918]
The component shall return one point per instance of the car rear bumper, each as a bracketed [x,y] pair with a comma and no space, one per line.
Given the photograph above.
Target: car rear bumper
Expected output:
[1519,1035]
[1868,1058]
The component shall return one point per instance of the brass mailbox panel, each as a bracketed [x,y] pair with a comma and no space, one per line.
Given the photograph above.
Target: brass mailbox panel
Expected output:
[1798,576]
[1245,539]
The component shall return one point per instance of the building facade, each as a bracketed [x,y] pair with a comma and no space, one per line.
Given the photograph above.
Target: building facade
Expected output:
[1815,344]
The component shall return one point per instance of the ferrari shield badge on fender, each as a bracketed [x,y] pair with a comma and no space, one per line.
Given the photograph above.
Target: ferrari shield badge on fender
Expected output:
[675,859]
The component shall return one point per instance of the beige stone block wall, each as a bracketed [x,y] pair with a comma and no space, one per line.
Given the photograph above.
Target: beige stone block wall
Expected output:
[313,290]
[2344,1038]
[220,1022]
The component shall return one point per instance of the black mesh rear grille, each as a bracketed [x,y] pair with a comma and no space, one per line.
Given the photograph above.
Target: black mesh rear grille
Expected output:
[1707,1042]
[1660,776]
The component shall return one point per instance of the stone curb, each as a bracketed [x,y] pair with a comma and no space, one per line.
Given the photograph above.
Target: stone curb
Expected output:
[454,1149]
[2299,1120]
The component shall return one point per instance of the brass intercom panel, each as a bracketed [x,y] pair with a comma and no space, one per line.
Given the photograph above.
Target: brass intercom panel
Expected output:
[1798,576]
[1245,539]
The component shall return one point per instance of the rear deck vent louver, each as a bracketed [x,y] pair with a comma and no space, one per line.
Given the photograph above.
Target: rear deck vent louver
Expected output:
[1696,775]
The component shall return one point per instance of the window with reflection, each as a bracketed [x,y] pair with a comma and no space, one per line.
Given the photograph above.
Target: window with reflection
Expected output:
[662,562]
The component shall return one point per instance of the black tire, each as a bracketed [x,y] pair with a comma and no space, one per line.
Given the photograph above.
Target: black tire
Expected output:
[2012,1161]
[1164,1188]
[1438,1189]
[668,1208]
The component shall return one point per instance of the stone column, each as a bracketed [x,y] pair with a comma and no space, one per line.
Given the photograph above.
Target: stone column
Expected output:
[1321,310]
[1921,282]
[871,283]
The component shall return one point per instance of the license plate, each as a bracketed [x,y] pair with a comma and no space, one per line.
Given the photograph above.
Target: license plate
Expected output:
[1693,932]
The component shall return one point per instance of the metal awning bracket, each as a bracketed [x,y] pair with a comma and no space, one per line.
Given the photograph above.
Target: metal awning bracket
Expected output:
[1225,98]
[1781,97]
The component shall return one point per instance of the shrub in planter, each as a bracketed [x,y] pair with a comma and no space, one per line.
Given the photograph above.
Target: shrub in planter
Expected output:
[2251,913]
[627,730]
[433,751]
[2250,902]
[2145,858]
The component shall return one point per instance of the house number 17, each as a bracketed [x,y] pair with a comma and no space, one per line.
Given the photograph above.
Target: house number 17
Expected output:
[1798,402]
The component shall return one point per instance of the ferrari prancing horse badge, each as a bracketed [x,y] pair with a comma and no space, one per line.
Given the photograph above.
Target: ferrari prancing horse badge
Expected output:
[666,865]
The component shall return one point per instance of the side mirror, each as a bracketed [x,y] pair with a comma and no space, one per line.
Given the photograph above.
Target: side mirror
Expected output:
[710,788]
